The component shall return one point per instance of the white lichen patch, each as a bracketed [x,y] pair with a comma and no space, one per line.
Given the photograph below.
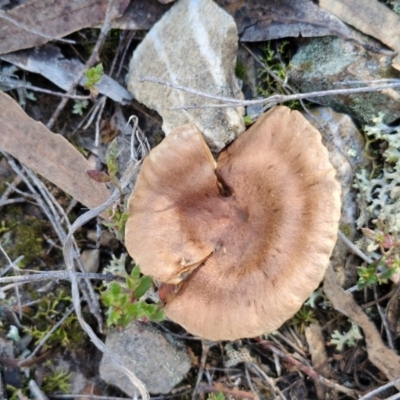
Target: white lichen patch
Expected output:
[379,196]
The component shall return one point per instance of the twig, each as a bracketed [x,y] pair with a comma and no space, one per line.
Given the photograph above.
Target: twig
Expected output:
[384,321]
[205,346]
[41,90]
[12,201]
[89,294]
[249,382]
[10,189]
[307,370]
[131,35]
[55,275]
[17,296]
[36,392]
[354,248]
[89,63]
[267,102]
[70,258]
[373,393]
[102,103]
[267,379]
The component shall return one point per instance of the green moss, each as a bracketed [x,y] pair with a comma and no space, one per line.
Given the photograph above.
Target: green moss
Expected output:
[240,70]
[49,311]
[28,237]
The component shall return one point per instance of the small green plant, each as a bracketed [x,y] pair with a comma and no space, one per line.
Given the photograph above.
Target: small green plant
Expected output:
[56,382]
[216,396]
[79,106]
[349,338]
[303,318]
[123,300]
[50,309]
[275,56]
[388,263]
[16,393]
[93,75]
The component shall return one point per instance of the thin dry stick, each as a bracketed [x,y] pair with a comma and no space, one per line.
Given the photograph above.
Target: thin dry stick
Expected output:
[102,103]
[69,255]
[307,370]
[10,189]
[384,321]
[205,347]
[90,295]
[18,85]
[36,392]
[53,276]
[371,395]
[354,248]
[49,206]
[267,102]
[249,382]
[257,370]
[89,63]
[17,296]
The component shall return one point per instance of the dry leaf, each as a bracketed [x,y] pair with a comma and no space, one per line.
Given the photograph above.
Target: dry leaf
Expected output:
[382,357]
[39,21]
[49,62]
[48,154]
[316,344]
[370,17]
[140,15]
[258,21]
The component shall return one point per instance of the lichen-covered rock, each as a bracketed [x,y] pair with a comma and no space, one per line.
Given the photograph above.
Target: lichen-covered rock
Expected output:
[156,358]
[195,45]
[321,63]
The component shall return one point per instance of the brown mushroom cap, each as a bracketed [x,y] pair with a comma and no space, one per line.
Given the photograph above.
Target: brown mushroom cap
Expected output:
[253,257]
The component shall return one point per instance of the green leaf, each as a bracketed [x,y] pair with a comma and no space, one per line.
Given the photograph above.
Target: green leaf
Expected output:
[135,274]
[143,286]
[79,106]
[113,316]
[93,75]
[112,157]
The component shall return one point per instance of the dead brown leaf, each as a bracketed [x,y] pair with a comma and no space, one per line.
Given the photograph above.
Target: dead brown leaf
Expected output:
[258,21]
[48,154]
[382,357]
[140,15]
[316,344]
[39,21]
[370,17]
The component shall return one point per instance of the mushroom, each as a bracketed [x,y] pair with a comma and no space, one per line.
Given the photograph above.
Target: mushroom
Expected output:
[246,240]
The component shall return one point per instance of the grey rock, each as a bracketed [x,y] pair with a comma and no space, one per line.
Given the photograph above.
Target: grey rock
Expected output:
[156,358]
[91,260]
[346,153]
[194,44]
[321,63]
